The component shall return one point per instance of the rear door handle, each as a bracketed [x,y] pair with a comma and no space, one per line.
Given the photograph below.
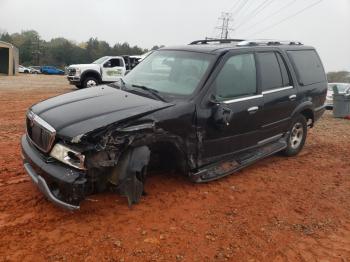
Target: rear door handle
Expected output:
[292,97]
[253,109]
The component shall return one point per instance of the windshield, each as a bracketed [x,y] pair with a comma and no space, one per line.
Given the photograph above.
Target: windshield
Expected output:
[342,88]
[100,60]
[172,72]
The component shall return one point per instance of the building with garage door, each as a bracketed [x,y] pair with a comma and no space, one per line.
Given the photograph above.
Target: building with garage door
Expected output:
[9,59]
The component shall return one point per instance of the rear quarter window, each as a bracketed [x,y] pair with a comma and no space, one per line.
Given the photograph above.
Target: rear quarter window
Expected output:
[308,67]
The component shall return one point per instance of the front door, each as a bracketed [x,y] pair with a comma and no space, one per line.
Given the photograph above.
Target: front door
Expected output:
[113,69]
[233,118]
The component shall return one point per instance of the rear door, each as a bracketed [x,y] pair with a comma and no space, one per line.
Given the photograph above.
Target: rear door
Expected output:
[280,95]
[113,69]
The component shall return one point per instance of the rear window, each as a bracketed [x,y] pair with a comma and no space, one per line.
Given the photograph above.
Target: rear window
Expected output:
[308,66]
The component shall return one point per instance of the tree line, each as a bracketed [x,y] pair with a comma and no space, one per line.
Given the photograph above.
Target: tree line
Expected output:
[62,52]
[338,77]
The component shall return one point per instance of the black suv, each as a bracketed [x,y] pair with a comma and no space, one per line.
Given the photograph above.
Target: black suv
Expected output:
[208,108]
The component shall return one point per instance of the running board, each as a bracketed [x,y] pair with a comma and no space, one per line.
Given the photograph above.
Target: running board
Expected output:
[238,162]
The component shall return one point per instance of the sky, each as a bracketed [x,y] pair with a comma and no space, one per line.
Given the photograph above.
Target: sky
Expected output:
[326,25]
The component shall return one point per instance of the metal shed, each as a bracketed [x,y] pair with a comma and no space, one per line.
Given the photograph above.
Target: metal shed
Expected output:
[9,59]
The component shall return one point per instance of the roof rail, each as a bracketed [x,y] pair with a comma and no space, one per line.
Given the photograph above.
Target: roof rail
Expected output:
[220,41]
[267,42]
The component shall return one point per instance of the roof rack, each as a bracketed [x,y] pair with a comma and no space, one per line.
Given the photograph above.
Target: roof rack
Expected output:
[219,41]
[267,42]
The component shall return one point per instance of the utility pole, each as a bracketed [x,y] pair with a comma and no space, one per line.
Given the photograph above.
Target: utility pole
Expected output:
[225,26]
[36,50]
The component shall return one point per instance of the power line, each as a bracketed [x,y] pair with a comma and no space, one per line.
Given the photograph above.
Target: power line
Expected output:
[239,8]
[287,18]
[235,5]
[270,15]
[256,11]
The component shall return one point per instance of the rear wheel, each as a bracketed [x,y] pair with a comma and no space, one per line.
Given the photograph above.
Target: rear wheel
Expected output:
[90,82]
[297,136]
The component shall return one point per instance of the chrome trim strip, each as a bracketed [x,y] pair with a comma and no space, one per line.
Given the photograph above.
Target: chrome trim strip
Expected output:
[270,139]
[44,124]
[241,99]
[277,90]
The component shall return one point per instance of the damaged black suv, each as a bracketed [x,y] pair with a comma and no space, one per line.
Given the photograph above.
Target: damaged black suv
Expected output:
[208,108]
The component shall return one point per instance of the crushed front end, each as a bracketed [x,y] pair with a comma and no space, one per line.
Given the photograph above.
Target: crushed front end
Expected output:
[67,170]
[62,182]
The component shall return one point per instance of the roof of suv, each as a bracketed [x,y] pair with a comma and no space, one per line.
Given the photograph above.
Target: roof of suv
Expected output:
[220,46]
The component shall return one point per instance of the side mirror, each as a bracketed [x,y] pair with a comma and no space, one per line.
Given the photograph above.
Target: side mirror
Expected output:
[107,64]
[222,114]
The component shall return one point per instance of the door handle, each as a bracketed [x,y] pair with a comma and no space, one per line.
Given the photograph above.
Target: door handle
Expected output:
[292,97]
[253,109]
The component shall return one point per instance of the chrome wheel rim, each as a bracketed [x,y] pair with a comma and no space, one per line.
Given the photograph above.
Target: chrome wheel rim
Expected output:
[296,136]
[91,83]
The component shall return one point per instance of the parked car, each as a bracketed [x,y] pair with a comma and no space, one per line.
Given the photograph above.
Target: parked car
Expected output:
[23,69]
[35,69]
[51,70]
[208,109]
[106,69]
[343,88]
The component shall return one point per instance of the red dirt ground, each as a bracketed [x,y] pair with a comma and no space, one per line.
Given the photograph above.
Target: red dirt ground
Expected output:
[280,209]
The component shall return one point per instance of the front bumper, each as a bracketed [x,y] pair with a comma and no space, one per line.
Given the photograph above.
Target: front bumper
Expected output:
[73,79]
[62,185]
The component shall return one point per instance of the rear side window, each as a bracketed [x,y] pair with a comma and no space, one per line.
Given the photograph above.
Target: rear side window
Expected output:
[271,76]
[308,66]
[237,77]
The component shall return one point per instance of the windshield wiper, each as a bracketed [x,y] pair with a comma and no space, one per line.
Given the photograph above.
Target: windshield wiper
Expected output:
[154,92]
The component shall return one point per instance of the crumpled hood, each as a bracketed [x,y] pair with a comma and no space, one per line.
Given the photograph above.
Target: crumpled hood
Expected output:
[82,111]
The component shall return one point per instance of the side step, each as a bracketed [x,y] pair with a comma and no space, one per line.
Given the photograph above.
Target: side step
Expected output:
[227,167]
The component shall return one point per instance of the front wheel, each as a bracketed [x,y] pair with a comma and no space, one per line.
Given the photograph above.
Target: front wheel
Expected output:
[90,82]
[297,136]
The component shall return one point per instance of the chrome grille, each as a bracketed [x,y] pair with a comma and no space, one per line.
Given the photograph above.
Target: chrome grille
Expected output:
[40,133]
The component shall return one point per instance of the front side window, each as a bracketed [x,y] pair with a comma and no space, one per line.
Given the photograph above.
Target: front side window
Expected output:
[172,72]
[116,62]
[237,78]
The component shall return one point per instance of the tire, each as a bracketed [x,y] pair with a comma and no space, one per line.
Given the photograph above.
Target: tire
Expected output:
[26,71]
[297,136]
[88,82]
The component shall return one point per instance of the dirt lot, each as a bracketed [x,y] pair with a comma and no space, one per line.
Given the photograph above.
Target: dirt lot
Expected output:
[280,209]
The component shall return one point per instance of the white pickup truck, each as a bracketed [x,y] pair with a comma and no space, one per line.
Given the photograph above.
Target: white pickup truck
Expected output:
[104,70]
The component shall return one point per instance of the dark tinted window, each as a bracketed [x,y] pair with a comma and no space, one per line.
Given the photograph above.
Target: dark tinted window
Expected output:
[308,66]
[271,76]
[285,73]
[237,77]
[116,62]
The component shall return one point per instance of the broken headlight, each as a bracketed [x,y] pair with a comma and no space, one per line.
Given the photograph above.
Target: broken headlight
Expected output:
[68,156]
